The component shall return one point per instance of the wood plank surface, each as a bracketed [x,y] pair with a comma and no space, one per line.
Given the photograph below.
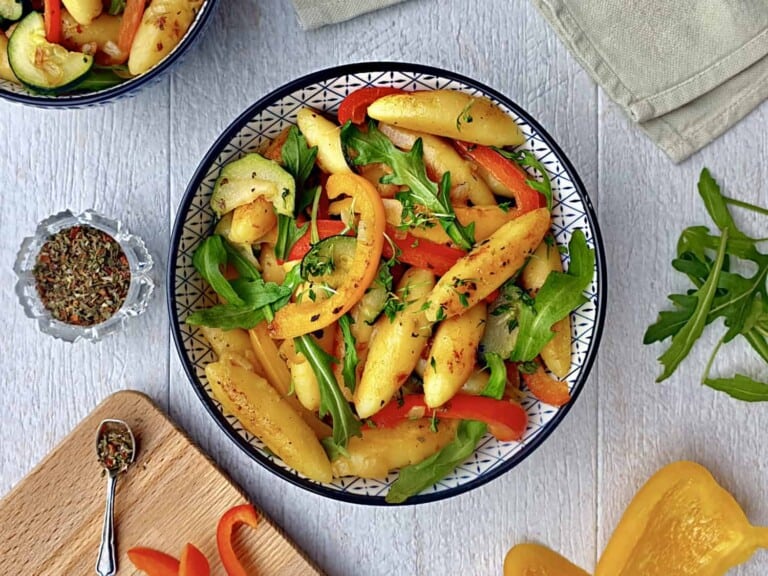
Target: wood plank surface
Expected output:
[50,524]
[133,159]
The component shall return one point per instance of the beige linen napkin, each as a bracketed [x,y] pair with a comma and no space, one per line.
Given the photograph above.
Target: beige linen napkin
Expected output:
[316,13]
[684,70]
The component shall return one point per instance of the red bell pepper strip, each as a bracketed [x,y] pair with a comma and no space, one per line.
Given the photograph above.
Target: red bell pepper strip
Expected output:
[232,518]
[52,19]
[132,14]
[325,229]
[420,252]
[508,173]
[506,420]
[547,389]
[355,106]
[193,562]
[153,562]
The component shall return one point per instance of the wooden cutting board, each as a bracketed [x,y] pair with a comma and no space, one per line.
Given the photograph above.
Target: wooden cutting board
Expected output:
[50,524]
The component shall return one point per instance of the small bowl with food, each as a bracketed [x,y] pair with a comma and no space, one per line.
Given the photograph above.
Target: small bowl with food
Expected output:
[386,283]
[83,276]
[73,53]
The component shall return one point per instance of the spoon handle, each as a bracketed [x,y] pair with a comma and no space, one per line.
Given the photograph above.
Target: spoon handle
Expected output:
[106,564]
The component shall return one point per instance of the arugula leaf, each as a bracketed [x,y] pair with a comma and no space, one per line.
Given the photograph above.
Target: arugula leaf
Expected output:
[740,387]
[497,383]
[407,170]
[527,159]
[683,341]
[226,317]
[560,294]
[332,400]
[417,477]
[287,235]
[716,205]
[244,267]
[299,159]
[350,353]
[207,260]
[332,449]
[116,7]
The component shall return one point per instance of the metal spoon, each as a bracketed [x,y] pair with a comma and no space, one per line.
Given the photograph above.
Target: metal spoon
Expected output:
[116,450]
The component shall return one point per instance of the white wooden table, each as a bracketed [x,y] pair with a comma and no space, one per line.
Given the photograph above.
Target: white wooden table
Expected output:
[133,160]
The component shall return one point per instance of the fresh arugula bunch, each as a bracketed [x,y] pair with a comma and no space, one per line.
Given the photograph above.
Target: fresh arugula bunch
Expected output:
[718,292]
[299,160]
[408,170]
[249,301]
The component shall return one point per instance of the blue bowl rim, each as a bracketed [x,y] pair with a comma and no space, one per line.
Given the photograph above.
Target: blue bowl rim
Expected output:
[199,176]
[124,88]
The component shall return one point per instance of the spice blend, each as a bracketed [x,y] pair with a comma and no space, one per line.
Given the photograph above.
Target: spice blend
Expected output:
[115,451]
[82,275]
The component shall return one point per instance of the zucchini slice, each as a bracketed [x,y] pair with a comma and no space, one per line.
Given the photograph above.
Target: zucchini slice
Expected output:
[44,67]
[242,181]
[11,10]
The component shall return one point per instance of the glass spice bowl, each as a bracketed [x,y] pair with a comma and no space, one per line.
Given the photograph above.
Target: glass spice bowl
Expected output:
[139,291]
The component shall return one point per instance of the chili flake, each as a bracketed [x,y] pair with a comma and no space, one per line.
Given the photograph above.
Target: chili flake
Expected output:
[82,275]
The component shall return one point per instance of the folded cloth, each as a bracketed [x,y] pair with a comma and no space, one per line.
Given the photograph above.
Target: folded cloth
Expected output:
[316,13]
[684,70]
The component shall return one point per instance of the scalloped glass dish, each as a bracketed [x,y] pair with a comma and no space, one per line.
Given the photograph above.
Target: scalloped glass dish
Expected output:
[139,261]
[324,91]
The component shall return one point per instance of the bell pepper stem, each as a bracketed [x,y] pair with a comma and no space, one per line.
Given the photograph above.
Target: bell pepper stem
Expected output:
[761,536]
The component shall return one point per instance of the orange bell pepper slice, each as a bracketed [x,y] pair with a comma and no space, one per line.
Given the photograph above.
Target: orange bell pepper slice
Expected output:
[547,389]
[508,173]
[232,518]
[129,25]
[153,562]
[299,318]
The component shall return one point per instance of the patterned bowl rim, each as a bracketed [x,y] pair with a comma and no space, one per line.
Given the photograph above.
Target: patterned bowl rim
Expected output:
[116,92]
[200,174]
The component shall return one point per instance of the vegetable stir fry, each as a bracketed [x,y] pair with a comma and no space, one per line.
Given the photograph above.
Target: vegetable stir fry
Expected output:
[64,46]
[385,284]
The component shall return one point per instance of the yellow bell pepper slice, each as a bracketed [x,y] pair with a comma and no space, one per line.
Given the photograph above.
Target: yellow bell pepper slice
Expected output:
[298,318]
[535,560]
[681,522]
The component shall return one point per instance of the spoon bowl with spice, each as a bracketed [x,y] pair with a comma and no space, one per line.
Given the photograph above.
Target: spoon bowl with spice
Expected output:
[83,276]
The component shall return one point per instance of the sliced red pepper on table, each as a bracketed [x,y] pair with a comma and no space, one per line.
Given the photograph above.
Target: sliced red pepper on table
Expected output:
[193,562]
[153,562]
[129,25]
[355,106]
[506,420]
[508,173]
[52,19]
[232,518]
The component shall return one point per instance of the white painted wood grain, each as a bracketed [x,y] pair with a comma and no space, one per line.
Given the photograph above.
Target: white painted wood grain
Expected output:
[133,160]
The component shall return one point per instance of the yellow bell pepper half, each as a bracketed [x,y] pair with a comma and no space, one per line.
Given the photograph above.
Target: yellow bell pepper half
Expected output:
[298,318]
[680,523]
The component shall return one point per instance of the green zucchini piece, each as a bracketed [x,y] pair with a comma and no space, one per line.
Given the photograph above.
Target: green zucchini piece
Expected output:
[329,260]
[242,181]
[11,10]
[44,67]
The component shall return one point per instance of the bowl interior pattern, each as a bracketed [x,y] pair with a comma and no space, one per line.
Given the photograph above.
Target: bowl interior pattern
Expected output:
[324,91]
[18,93]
